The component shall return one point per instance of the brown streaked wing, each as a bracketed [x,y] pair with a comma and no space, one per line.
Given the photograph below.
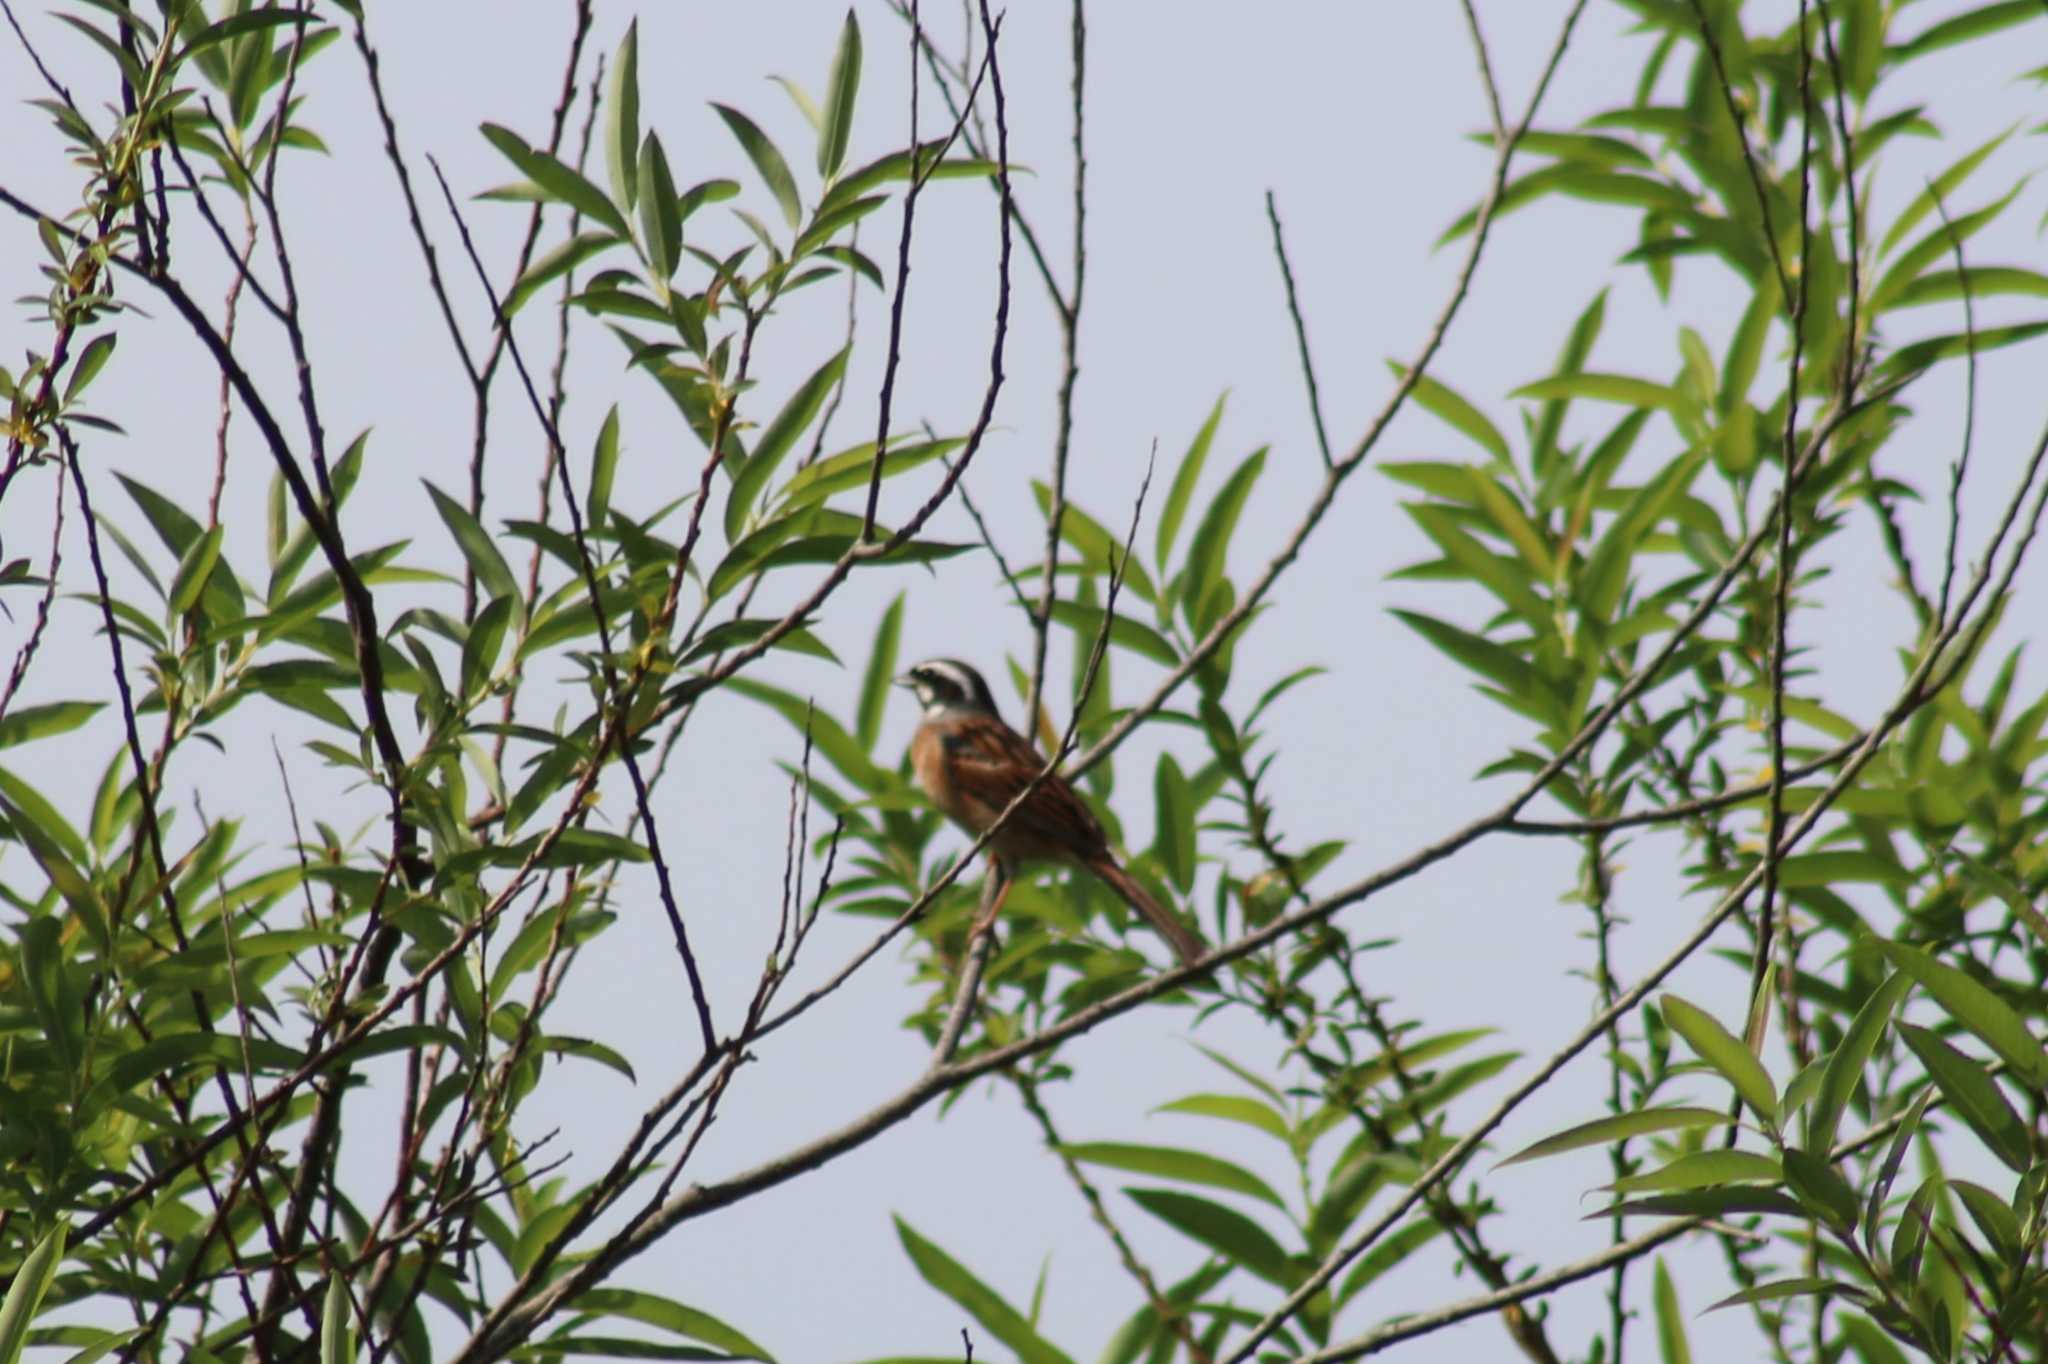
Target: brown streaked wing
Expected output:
[992,763]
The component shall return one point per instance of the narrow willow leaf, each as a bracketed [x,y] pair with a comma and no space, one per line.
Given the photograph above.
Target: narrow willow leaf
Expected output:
[1911,359]
[1493,662]
[1723,1051]
[91,360]
[1174,844]
[977,1299]
[1845,1064]
[880,675]
[21,724]
[1821,1188]
[1211,545]
[1185,477]
[1236,1108]
[1724,1201]
[485,642]
[1789,1288]
[560,181]
[622,119]
[1451,407]
[1101,552]
[25,1295]
[1224,1230]
[853,468]
[335,1345]
[1672,1346]
[1620,1127]
[1976,1008]
[1973,1094]
[1165,1162]
[1702,1170]
[1124,633]
[840,89]
[775,443]
[661,227]
[554,264]
[604,467]
[1606,388]
[665,1314]
[193,571]
[477,547]
[774,171]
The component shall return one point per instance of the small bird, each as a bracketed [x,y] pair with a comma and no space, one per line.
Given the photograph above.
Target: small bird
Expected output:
[973,765]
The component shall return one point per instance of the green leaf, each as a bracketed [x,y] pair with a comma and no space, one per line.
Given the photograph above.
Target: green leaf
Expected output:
[1787,1288]
[172,524]
[775,443]
[1821,1187]
[22,724]
[774,171]
[1922,354]
[1165,1162]
[661,226]
[1961,28]
[1086,623]
[1672,1346]
[1973,1094]
[193,571]
[666,1315]
[91,360]
[1233,1108]
[1184,479]
[622,119]
[1605,577]
[1977,281]
[1620,1127]
[840,88]
[336,1347]
[1605,388]
[981,1302]
[1500,666]
[484,643]
[1702,1170]
[1506,578]
[733,634]
[604,467]
[830,738]
[1976,1008]
[560,181]
[1938,191]
[880,675]
[1224,1230]
[25,1295]
[1725,1052]
[477,547]
[1174,844]
[1724,1201]
[1845,1064]
[853,468]
[1101,552]
[1452,408]
[554,264]
[236,25]
[1211,545]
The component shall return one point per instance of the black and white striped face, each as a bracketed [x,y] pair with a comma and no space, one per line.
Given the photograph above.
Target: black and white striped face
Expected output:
[944,684]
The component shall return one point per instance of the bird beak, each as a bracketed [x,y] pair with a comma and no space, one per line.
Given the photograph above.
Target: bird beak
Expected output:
[906,680]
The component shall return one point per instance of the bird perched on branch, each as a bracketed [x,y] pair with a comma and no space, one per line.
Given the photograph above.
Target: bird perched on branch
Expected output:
[973,765]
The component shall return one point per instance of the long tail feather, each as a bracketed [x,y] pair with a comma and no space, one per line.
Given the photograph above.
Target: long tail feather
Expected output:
[1187,944]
